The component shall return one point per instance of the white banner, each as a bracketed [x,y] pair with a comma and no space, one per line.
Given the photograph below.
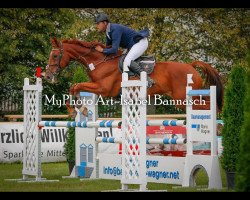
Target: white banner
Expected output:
[159,169]
[11,143]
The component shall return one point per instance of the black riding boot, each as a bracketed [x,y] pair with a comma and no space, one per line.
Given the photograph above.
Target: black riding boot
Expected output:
[137,70]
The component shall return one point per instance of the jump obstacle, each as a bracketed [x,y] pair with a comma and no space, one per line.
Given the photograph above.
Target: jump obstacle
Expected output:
[133,166]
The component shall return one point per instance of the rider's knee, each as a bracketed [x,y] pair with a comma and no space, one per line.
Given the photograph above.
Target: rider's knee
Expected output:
[127,62]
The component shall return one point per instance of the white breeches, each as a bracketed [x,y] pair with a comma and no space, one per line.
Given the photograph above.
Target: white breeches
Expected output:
[135,52]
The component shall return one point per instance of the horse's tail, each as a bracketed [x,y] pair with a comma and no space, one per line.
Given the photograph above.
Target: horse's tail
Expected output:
[212,78]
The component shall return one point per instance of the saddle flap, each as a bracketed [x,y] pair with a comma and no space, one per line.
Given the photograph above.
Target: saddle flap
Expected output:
[147,63]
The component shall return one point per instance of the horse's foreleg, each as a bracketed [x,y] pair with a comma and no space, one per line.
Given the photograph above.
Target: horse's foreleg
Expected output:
[74,91]
[89,87]
[71,110]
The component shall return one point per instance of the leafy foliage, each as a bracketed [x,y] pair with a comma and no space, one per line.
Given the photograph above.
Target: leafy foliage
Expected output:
[25,42]
[243,165]
[69,146]
[25,38]
[79,75]
[219,36]
[233,117]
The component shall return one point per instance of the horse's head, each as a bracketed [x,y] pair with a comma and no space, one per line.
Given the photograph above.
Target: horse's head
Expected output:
[64,52]
[57,61]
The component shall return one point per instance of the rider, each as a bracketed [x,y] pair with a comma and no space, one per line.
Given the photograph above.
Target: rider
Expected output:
[119,35]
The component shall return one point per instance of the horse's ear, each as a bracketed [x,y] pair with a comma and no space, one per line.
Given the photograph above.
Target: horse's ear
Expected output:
[54,42]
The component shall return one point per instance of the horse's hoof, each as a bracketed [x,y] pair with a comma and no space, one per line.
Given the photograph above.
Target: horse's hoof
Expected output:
[76,94]
[73,114]
[84,111]
[78,106]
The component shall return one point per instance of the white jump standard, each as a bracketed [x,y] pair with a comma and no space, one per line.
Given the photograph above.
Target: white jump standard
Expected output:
[32,134]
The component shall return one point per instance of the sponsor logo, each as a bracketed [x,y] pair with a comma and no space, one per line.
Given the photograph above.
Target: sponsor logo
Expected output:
[48,135]
[202,117]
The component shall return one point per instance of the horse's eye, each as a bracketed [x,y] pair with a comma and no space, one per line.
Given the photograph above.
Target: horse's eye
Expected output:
[54,56]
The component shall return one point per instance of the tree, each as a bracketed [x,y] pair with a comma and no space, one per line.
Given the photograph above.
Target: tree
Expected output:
[233,117]
[25,38]
[243,165]
[69,148]
[25,45]
[219,36]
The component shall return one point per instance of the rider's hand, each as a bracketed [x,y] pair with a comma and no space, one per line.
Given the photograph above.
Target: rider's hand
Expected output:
[99,48]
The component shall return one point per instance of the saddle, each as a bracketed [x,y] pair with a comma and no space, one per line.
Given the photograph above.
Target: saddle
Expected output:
[146,63]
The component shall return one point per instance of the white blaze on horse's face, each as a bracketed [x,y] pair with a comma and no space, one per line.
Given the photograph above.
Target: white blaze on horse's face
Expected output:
[48,75]
[43,74]
[53,80]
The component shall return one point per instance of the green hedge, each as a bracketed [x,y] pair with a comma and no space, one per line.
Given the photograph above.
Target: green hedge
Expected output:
[243,166]
[69,146]
[233,117]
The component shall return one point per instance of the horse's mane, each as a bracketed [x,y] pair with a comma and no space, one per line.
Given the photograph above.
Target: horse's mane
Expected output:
[88,44]
[83,43]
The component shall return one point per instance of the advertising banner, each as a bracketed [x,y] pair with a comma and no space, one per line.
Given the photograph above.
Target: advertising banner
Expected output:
[11,143]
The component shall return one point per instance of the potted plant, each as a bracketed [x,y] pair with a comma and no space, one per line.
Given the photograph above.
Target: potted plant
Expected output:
[69,149]
[233,117]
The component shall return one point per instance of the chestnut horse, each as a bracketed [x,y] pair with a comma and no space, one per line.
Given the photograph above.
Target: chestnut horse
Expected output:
[170,77]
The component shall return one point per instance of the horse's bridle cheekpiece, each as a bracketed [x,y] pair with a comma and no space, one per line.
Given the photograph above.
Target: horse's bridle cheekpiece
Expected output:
[58,69]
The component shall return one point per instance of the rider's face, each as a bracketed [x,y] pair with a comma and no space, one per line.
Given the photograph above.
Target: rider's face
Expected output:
[101,26]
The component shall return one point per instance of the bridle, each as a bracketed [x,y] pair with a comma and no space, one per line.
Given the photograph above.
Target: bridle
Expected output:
[91,48]
[58,67]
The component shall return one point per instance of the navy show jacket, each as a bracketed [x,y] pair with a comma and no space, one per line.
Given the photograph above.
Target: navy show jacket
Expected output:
[122,36]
